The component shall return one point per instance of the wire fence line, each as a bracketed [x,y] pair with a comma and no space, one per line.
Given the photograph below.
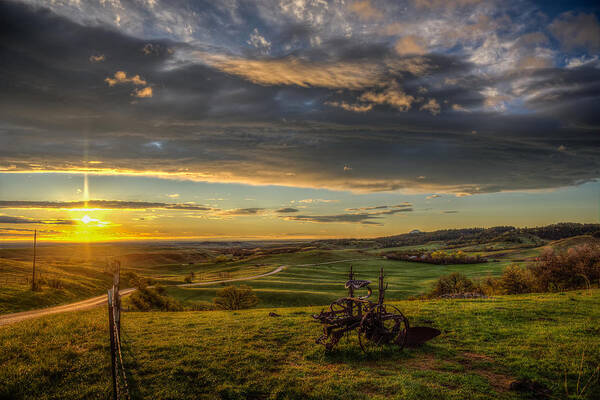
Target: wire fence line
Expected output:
[120,385]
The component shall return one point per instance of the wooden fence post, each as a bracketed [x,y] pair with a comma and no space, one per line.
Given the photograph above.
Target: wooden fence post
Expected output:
[117,295]
[111,330]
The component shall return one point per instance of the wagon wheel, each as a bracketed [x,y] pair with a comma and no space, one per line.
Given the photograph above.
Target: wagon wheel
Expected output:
[368,330]
[398,325]
[380,327]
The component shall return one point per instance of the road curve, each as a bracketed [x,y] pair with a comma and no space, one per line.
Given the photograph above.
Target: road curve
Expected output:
[80,305]
[99,300]
[245,278]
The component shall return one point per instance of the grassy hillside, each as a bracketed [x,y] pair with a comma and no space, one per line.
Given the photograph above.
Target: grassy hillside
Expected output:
[304,283]
[564,244]
[81,270]
[484,346]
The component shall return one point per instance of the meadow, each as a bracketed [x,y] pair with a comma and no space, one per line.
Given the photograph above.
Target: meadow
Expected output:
[311,276]
[317,277]
[550,339]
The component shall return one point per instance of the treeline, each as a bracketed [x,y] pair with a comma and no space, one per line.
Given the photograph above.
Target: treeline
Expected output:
[564,230]
[486,235]
[439,257]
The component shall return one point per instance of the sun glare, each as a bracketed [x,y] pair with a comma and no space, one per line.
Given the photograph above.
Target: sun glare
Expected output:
[86,219]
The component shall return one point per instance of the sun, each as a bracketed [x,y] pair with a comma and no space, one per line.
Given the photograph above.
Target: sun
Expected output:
[86,219]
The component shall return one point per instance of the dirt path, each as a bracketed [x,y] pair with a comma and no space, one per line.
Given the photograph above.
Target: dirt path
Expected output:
[99,300]
[245,278]
[80,305]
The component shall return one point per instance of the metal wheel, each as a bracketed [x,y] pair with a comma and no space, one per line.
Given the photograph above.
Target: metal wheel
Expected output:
[398,326]
[379,327]
[369,331]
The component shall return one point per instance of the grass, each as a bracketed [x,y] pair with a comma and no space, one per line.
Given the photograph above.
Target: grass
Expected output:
[303,285]
[81,269]
[485,344]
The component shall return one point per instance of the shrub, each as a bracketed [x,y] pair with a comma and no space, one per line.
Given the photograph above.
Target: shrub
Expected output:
[188,278]
[515,280]
[439,257]
[570,269]
[153,298]
[489,286]
[132,279]
[452,284]
[235,298]
[221,258]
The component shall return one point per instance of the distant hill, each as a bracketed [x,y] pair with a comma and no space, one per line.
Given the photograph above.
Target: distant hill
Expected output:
[566,243]
[536,236]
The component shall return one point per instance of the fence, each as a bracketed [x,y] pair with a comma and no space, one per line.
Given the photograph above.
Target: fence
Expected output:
[119,377]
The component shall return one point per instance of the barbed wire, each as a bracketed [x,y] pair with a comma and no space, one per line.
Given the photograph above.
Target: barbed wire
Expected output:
[120,361]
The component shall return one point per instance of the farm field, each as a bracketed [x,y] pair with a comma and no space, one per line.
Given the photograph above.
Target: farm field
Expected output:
[317,277]
[551,339]
[82,272]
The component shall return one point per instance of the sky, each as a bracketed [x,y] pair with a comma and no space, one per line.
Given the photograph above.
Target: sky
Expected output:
[294,119]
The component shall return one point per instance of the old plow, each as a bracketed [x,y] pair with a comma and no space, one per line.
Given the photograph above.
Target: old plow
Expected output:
[375,323]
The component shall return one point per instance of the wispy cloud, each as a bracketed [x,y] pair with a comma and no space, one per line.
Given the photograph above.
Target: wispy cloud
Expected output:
[243,211]
[101,204]
[404,205]
[287,210]
[362,217]
[6,219]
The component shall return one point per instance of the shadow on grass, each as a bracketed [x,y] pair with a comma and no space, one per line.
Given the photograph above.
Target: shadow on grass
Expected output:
[349,351]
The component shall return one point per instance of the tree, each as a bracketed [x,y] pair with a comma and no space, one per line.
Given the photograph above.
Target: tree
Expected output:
[235,298]
[515,280]
[453,283]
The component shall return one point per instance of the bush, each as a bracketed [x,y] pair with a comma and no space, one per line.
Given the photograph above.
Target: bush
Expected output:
[235,298]
[515,280]
[131,279]
[439,257]
[147,299]
[570,269]
[221,258]
[453,283]
[489,286]
[188,278]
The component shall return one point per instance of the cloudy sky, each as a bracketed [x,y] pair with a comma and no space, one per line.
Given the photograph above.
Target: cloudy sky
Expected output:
[126,119]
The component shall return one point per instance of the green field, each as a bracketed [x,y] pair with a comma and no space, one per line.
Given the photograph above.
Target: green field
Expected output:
[485,345]
[300,284]
[82,271]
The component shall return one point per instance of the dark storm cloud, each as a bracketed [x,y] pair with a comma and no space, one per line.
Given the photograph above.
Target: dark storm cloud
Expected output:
[5,219]
[104,204]
[286,118]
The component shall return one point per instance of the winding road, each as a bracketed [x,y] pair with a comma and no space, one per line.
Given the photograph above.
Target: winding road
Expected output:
[100,300]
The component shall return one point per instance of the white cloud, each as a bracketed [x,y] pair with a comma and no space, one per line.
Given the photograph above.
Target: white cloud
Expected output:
[258,41]
[432,106]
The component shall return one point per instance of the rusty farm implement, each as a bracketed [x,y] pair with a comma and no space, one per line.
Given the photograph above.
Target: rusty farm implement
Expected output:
[375,323]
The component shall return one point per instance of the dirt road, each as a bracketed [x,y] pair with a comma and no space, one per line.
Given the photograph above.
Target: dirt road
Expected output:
[96,301]
[80,305]
[245,278]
